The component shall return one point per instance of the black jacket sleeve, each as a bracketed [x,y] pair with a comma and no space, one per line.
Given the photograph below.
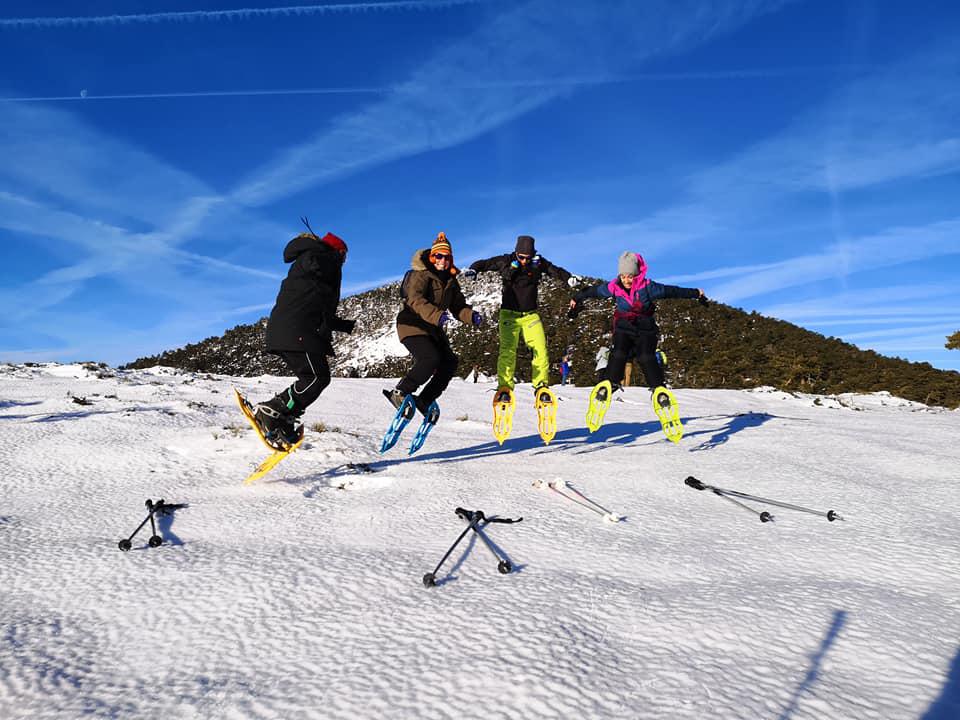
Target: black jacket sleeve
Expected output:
[495,264]
[554,271]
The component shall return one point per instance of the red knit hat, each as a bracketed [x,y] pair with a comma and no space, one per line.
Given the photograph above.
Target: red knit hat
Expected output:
[336,243]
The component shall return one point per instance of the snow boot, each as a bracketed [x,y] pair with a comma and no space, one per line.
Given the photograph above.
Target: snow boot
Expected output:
[277,420]
[396,398]
[430,411]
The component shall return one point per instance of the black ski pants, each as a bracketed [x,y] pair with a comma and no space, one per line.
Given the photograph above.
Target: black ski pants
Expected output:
[313,375]
[643,347]
[432,356]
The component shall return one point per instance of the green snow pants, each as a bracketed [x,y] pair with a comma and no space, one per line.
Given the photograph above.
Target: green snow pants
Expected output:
[512,323]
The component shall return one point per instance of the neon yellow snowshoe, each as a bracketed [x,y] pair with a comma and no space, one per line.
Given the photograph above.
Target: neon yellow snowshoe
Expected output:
[545,403]
[503,407]
[600,398]
[668,412]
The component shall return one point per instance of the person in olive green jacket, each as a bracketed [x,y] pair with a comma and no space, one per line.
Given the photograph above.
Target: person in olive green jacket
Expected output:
[431,296]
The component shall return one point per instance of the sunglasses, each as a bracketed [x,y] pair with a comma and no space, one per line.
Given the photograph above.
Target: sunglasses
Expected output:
[523,257]
[439,256]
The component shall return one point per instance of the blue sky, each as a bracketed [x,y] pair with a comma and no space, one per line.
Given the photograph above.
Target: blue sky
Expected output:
[801,159]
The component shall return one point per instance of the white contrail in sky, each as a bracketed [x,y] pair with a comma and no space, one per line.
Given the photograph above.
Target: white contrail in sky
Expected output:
[237,14]
[85,96]
[574,81]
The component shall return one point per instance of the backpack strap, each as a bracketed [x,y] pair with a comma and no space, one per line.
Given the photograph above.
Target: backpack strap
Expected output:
[404,284]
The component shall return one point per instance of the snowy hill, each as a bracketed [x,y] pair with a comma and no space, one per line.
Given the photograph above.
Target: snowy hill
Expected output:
[708,347]
[300,596]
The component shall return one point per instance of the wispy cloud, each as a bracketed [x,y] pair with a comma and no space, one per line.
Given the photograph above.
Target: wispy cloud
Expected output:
[896,123]
[482,81]
[132,215]
[238,14]
[122,213]
[891,248]
[941,329]
[866,305]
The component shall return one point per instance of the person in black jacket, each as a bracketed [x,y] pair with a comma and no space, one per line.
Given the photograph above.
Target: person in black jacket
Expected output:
[301,327]
[521,271]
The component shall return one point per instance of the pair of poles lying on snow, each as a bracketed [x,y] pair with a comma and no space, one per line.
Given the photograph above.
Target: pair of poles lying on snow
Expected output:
[765,516]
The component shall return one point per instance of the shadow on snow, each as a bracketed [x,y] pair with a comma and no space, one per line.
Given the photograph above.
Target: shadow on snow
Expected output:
[734,424]
[839,618]
[947,706]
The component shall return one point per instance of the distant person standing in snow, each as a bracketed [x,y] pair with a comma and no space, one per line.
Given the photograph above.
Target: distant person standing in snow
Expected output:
[564,369]
[635,331]
[521,272]
[300,330]
[431,297]
[603,357]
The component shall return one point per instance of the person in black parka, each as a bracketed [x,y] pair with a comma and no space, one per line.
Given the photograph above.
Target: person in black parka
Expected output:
[301,327]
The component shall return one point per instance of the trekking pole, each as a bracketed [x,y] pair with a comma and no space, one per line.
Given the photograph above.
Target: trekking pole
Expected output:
[503,565]
[430,579]
[764,515]
[155,540]
[830,515]
[607,514]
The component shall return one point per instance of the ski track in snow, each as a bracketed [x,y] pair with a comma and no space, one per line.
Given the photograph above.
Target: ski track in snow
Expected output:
[300,596]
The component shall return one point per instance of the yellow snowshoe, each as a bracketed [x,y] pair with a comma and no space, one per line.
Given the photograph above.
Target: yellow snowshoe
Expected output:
[600,398]
[545,403]
[503,407]
[668,412]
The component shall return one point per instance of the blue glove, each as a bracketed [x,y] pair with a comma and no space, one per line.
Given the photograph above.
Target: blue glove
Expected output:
[469,273]
[515,264]
[444,319]
[477,319]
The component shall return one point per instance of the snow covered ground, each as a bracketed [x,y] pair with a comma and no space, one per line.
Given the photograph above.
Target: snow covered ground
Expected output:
[300,596]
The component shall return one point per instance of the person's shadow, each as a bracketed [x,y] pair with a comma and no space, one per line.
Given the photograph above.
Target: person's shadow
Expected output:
[947,706]
[573,439]
[735,423]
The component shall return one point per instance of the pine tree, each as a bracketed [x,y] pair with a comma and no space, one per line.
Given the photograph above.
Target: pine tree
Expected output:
[953,341]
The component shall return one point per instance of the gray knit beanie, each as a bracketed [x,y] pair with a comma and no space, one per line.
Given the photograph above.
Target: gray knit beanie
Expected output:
[627,264]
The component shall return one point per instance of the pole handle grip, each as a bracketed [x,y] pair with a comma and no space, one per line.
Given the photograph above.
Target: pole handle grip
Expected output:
[471,516]
[694,483]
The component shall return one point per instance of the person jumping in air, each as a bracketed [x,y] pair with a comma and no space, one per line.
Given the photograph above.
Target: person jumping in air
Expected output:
[635,335]
[522,271]
[300,331]
[431,296]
